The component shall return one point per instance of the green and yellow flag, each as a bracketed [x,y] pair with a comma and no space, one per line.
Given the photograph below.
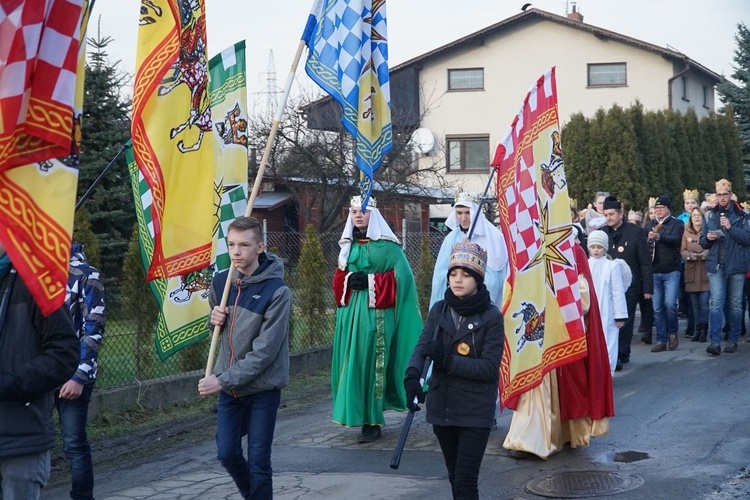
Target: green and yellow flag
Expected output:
[183,300]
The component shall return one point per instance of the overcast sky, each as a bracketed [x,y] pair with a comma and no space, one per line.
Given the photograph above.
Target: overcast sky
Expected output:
[704,30]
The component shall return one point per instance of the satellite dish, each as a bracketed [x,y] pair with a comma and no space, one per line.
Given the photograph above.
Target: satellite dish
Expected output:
[423,141]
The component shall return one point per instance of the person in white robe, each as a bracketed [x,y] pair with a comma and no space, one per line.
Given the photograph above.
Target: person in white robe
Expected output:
[486,235]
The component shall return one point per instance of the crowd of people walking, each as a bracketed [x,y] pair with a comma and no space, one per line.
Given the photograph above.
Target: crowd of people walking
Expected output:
[693,264]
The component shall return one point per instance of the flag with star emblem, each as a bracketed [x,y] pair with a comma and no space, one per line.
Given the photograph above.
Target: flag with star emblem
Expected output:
[348,58]
[542,310]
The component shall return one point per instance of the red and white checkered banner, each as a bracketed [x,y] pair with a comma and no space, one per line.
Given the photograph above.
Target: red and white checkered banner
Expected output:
[39,42]
[542,305]
[37,199]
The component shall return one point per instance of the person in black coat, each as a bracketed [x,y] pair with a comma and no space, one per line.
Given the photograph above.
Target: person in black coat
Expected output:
[627,241]
[37,354]
[463,336]
[665,234]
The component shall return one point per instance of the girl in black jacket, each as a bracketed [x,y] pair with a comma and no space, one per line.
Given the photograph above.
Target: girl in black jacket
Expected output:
[463,336]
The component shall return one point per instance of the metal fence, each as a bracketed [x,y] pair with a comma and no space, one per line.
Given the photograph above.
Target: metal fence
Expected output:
[128,354]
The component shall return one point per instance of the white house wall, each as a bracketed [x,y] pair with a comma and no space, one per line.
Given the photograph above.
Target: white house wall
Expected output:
[512,61]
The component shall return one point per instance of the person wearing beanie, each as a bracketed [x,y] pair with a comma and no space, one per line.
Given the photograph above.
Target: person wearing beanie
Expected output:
[727,237]
[486,235]
[377,322]
[628,242]
[463,338]
[664,234]
[610,286]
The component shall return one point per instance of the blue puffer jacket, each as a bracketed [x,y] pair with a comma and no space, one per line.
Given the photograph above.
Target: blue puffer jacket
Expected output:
[732,251]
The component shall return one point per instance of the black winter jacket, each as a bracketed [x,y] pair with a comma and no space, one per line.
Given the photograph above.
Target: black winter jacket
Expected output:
[628,242]
[667,256]
[731,252]
[37,355]
[465,396]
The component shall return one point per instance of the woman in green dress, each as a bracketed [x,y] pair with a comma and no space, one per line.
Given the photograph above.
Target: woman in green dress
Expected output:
[377,322]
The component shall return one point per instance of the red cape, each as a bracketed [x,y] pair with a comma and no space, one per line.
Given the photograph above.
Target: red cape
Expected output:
[585,386]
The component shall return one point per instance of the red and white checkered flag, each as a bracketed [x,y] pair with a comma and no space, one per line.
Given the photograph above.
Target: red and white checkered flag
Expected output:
[542,309]
[39,42]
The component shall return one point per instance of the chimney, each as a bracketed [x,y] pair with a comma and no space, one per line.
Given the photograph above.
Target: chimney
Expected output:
[575,15]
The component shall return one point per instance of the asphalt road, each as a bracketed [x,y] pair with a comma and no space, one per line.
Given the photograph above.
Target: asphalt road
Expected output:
[682,426]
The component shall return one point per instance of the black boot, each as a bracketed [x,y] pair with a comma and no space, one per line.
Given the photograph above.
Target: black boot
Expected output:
[698,332]
[704,332]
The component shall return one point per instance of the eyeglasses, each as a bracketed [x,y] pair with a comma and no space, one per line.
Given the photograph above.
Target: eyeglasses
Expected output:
[723,194]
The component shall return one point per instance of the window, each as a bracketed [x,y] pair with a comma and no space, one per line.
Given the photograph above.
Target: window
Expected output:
[466,79]
[607,75]
[706,97]
[468,153]
[684,81]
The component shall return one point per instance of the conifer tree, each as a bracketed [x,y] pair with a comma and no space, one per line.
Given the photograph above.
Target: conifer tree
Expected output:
[697,159]
[731,134]
[575,139]
[106,127]
[597,155]
[617,172]
[639,192]
[716,154]
[313,283]
[737,95]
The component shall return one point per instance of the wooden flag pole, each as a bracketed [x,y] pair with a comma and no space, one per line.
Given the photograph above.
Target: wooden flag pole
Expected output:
[254,194]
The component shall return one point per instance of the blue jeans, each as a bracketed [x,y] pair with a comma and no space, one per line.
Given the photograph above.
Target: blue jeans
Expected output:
[666,294]
[22,478]
[725,288]
[254,415]
[699,306]
[73,415]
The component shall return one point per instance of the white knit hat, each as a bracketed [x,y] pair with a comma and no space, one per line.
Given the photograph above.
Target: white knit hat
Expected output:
[598,238]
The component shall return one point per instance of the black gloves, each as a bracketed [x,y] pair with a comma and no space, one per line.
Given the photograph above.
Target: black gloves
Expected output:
[413,389]
[434,350]
[358,281]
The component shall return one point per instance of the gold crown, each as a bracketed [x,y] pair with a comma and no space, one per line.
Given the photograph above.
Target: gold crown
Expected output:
[573,203]
[357,202]
[723,184]
[636,215]
[652,201]
[691,194]
[469,256]
[467,197]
